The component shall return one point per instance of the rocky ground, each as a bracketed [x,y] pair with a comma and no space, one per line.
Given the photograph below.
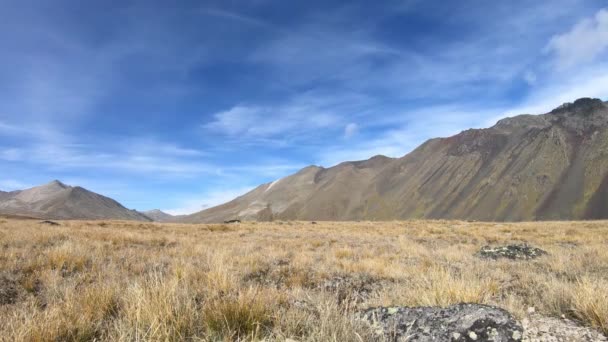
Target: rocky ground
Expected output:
[549,329]
[472,322]
[462,322]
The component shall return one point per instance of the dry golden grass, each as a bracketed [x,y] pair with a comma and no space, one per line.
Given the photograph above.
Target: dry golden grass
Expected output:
[129,281]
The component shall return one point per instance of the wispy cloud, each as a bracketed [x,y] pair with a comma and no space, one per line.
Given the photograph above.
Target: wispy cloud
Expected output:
[584,43]
[152,158]
[303,115]
[585,82]
[234,16]
[269,121]
[350,130]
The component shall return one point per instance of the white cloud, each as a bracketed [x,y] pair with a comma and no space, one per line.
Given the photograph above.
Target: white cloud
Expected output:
[484,63]
[530,77]
[144,157]
[12,154]
[6,128]
[586,41]
[234,16]
[301,115]
[592,82]
[350,130]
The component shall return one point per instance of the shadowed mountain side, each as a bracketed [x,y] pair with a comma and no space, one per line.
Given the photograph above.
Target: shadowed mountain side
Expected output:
[528,167]
[56,200]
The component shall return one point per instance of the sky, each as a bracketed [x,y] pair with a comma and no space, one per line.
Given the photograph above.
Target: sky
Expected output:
[182,105]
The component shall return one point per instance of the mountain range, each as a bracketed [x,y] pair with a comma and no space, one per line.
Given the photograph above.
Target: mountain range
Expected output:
[56,200]
[158,215]
[528,167]
[552,166]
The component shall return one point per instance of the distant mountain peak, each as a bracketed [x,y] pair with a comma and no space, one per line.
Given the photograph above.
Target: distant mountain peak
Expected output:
[582,105]
[56,183]
[56,200]
[159,215]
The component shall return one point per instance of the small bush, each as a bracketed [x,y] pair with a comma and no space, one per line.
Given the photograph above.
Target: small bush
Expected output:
[246,315]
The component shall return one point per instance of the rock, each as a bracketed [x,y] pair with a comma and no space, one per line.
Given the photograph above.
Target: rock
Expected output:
[547,329]
[50,223]
[581,106]
[461,322]
[513,252]
[232,221]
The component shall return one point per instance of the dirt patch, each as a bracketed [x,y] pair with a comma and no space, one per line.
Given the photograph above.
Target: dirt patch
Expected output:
[10,289]
[352,288]
[281,274]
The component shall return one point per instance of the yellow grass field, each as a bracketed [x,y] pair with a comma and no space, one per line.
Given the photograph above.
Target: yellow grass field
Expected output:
[131,281]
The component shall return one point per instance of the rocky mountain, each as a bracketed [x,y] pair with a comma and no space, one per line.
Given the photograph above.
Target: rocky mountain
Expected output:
[159,216]
[528,167]
[56,200]
[312,193]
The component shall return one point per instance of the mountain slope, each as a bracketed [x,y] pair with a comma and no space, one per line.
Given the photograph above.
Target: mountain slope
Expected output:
[529,167]
[159,216]
[312,192]
[56,200]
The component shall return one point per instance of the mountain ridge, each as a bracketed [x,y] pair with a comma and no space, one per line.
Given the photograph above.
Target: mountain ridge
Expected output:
[56,200]
[526,167]
[158,215]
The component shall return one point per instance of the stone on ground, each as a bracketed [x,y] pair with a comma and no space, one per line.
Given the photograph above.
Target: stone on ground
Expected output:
[461,322]
[549,329]
[513,252]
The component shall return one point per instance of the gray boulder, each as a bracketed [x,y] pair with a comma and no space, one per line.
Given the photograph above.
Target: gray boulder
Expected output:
[513,252]
[461,322]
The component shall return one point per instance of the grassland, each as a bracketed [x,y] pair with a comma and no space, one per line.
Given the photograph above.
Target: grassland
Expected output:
[128,281]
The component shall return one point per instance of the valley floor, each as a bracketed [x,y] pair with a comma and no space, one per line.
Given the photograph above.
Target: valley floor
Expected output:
[104,280]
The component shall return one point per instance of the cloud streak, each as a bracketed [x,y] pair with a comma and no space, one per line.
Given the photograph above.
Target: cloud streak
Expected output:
[584,43]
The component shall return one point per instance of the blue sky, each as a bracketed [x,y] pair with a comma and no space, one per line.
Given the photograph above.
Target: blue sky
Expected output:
[182,106]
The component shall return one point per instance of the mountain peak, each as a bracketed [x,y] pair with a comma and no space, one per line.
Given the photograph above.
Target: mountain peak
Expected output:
[155,211]
[581,106]
[379,157]
[56,200]
[159,215]
[57,184]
